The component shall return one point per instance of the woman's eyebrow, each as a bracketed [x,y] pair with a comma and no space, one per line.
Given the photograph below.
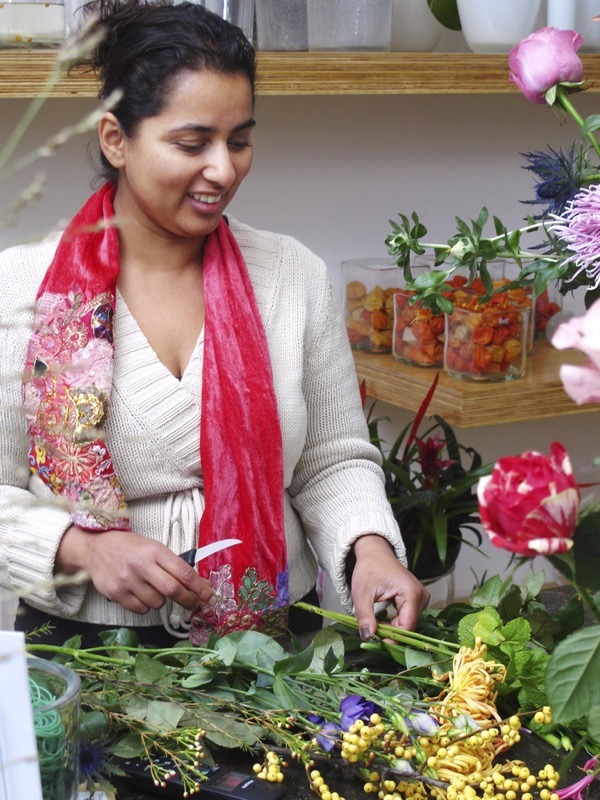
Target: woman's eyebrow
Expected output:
[250,123]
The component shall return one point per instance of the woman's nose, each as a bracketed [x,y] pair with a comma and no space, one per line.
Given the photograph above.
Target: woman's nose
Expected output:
[220,168]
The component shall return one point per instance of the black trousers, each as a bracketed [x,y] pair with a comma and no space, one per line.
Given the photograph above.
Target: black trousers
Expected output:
[28,619]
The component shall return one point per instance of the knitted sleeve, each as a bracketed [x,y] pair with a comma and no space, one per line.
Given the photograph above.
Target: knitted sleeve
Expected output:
[338,485]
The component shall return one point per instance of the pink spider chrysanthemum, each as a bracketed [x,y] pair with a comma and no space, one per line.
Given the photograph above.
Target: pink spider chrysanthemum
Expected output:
[579,228]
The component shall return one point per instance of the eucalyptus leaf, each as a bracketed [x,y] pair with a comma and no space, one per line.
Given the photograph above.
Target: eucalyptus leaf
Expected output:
[573,675]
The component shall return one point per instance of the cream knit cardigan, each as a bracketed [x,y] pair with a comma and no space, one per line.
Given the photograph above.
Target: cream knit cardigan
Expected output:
[333,482]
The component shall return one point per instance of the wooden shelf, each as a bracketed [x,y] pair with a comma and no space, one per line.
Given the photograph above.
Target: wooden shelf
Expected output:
[466,404]
[24,73]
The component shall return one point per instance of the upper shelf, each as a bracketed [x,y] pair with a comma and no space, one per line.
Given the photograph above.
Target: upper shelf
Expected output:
[23,73]
[467,404]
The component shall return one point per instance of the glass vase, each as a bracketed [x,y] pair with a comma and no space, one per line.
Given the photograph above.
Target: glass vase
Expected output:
[486,343]
[55,693]
[31,23]
[369,287]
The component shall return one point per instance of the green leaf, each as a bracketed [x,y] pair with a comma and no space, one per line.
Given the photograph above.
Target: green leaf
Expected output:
[517,632]
[225,730]
[511,604]
[489,593]
[93,726]
[573,675]
[129,746]
[586,549]
[122,637]
[329,646]
[258,649]
[485,624]
[532,584]
[530,665]
[148,670]
[594,723]
[288,695]
[164,715]
[199,677]
[419,658]
[446,12]
[226,650]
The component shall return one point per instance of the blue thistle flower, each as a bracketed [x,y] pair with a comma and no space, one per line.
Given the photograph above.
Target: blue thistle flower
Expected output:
[561,173]
[92,761]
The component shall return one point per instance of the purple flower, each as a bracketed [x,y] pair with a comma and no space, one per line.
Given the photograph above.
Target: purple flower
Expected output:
[422,724]
[575,790]
[579,228]
[355,707]
[328,735]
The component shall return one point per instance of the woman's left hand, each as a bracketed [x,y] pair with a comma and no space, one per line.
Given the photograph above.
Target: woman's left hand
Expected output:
[379,576]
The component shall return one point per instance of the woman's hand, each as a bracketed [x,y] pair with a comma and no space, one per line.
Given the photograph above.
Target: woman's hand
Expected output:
[379,576]
[135,572]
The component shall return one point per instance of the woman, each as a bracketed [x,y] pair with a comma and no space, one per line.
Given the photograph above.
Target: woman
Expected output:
[188,380]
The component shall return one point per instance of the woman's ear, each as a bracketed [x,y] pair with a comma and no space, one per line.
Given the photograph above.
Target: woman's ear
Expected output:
[112,140]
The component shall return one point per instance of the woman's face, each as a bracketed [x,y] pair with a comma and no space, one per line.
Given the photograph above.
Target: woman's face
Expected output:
[182,168]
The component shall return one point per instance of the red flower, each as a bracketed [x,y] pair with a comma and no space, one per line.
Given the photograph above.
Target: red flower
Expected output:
[529,503]
[431,463]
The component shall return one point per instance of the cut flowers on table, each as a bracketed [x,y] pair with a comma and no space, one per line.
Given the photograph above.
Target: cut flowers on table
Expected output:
[547,69]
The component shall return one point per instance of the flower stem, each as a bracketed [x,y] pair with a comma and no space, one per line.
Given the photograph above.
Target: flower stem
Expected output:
[417,640]
[563,98]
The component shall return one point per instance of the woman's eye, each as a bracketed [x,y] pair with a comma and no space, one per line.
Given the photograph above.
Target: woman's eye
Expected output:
[190,147]
[239,144]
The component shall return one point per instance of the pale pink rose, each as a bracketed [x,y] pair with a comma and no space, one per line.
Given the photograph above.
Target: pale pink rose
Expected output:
[543,59]
[582,383]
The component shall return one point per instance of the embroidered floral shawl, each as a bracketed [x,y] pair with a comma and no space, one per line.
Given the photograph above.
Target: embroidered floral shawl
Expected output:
[67,387]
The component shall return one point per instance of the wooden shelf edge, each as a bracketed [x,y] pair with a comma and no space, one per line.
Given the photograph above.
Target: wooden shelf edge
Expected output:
[23,73]
[466,404]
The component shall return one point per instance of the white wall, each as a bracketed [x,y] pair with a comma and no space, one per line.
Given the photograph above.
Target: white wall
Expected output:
[333,170]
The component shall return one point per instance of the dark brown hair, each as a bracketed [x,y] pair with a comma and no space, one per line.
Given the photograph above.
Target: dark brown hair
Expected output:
[146,45]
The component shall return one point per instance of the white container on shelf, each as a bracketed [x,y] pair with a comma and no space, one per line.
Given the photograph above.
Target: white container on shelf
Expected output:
[281,24]
[349,24]
[562,14]
[31,24]
[585,11]
[238,12]
[414,28]
[490,26]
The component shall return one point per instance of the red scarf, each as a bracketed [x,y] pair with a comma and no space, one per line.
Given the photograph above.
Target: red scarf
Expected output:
[67,386]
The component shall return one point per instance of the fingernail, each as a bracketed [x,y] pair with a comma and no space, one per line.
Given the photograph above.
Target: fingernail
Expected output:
[365,633]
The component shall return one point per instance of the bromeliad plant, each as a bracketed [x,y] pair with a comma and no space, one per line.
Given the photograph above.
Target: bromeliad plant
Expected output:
[429,481]
[547,69]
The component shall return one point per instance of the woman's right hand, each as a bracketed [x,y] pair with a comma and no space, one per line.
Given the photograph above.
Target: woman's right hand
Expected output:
[135,572]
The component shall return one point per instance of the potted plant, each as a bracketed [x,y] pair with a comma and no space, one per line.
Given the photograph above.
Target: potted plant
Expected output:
[430,482]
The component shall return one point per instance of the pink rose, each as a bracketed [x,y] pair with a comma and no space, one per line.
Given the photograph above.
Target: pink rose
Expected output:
[543,59]
[581,383]
[529,504]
